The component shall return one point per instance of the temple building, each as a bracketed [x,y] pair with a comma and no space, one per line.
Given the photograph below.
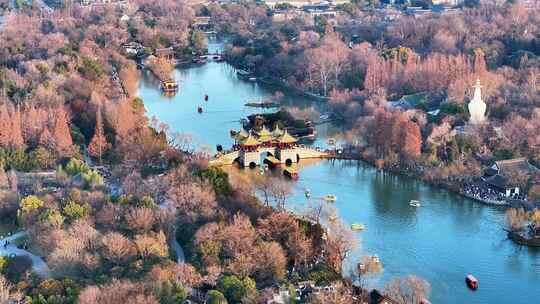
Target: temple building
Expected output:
[477,107]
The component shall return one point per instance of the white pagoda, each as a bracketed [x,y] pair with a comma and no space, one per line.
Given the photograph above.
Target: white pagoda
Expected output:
[477,107]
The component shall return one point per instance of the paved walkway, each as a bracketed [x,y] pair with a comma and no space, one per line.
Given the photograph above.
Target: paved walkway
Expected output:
[38,264]
[181,257]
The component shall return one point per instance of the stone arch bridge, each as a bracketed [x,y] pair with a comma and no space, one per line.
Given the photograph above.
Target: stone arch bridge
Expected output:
[272,155]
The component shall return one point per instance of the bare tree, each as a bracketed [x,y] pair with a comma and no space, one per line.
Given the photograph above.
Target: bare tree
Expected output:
[117,247]
[408,290]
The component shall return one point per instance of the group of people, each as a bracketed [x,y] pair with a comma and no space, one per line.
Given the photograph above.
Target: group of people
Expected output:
[483,192]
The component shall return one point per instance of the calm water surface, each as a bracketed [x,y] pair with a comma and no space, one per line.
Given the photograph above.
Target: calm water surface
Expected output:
[442,241]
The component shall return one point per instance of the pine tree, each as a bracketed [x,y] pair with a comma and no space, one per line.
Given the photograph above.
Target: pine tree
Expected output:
[62,134]
[479,62]
[45,139]
[98,145]
[5,127]
[17,140]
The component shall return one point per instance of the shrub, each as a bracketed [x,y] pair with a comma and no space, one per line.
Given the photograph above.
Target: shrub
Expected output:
[218,178]
[235,289]
[216,297]
[74,211]
[30,203]
[17,266]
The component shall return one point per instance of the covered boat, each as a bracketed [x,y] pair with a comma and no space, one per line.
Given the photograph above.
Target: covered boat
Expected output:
[414,203]
[330,198]
[290,173]
[357,227]
[471,281]
[169,86]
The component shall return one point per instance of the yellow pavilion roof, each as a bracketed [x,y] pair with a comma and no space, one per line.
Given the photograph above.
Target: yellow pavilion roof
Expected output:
[250,141]
[287,138]
[264,132]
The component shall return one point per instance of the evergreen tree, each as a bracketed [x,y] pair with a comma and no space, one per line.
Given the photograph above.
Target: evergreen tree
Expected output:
[62,134]
[5,127]
[17,140]
[98,145]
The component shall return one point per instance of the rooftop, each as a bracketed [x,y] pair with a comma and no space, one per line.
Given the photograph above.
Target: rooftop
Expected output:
[515,165]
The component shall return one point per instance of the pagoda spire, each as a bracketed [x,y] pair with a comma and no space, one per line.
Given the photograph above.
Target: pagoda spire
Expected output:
[477,107]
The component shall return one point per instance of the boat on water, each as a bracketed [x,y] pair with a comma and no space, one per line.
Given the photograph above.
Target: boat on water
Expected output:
[169,86]
[206,97]
[262,104]
[471,282]
[199,109]
[375,259]
[330,198]
[252,79]
[414,203]
[357,227]
[324,117]
[243,74]
[291,173]
[307,193]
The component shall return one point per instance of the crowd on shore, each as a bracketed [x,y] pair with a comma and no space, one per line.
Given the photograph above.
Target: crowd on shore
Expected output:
[483,192]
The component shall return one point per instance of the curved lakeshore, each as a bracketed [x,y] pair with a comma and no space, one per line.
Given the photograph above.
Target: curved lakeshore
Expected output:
[444,239]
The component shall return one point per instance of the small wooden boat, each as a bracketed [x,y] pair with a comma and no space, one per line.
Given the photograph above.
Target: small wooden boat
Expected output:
[357,227]
[471,282]
[199,110]
[290,173]
[414,203]
[330,198]
[206,97]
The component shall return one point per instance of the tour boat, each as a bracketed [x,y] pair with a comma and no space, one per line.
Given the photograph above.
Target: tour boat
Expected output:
[290,173]
[199,109]
[169,86]
[471,281]
[357,227]
[414,203]
[330,198]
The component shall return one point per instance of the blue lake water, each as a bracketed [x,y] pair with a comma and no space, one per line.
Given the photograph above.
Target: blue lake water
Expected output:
[442,241]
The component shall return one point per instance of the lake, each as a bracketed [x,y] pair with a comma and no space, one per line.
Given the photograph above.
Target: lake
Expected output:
[443,240]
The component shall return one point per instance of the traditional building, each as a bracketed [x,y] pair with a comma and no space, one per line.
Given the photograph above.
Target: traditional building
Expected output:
[477,107]
[499,175]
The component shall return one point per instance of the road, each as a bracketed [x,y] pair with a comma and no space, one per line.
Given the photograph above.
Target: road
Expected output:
[38,264]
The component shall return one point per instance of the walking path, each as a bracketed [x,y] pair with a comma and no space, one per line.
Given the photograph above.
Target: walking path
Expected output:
[38,264]
[180,256]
